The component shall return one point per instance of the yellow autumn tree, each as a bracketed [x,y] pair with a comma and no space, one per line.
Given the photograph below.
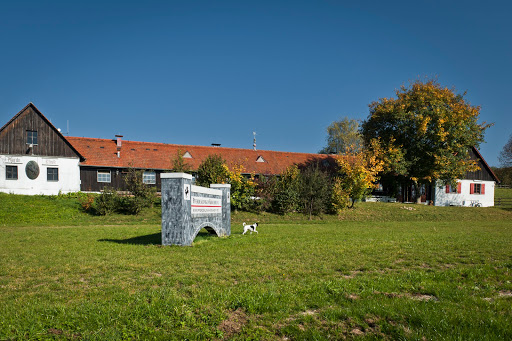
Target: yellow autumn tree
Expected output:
[430,128]
[358,175]
[242,187]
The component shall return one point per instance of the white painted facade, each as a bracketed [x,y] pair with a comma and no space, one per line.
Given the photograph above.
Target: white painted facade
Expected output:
[68,175]
[465,198]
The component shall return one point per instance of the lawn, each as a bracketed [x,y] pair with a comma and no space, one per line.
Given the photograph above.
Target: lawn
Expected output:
[503,198]
[378,272]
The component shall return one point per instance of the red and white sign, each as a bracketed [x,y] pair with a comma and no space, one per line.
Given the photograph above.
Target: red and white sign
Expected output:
[202,205]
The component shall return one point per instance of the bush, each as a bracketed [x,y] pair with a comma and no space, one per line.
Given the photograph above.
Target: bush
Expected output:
[242,188]
[340,197]
[134,205]
[314,190]
[143,195]
[265,192]
[86,202]
[286,197]
[107,202]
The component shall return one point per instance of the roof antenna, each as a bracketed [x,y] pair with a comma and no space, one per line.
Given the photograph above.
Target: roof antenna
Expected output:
[67,131]
[254,140]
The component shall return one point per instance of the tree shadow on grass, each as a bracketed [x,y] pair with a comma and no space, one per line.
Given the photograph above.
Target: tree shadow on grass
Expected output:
[150,239]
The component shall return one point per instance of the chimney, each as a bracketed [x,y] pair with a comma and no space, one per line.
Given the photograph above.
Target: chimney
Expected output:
[119,140]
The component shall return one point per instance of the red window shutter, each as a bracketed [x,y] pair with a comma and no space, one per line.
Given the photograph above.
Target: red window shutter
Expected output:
[459,188]
[447,188]
[483,189]
[471,188]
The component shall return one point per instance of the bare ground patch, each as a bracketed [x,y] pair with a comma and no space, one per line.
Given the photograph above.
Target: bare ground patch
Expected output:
[505,293]
[416,297]
[233,324]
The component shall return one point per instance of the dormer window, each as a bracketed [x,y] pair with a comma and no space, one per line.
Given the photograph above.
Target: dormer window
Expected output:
[187,155]
[260,159]
[32,137]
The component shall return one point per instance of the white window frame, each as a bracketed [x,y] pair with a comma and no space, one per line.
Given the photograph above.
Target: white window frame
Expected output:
[48,174]
[149,177]
[104,176]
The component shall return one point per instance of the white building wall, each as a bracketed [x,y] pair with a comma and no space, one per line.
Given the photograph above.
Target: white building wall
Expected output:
[69,175]
[441,198]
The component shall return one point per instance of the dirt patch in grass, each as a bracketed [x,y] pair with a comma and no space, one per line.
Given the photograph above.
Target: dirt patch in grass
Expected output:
[351,275]
[62,333]
[233,324]
[416,297]
[54,331]
[421,297]
[352,297]
[309,313]
[501,294]
[357,331]
[505,293]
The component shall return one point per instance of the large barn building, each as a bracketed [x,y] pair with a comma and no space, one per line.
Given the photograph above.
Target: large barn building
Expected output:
[35,158]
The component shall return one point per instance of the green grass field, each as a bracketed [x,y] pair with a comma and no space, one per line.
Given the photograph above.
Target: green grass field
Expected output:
[378,272]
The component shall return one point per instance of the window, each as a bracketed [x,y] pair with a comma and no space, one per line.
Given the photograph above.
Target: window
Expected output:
[103,176]
[452,189]
[52,174]
[31,137]
[11,172]
[476,188]
[149,177]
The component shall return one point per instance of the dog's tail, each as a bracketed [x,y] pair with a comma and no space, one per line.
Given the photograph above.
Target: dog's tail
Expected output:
[243,224]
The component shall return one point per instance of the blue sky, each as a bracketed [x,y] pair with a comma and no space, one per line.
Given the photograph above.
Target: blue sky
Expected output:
[202,72]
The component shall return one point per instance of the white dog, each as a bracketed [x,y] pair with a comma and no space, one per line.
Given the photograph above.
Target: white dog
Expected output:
[250,228]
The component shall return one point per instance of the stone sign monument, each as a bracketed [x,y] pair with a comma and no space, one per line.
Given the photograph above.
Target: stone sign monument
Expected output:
[186,209]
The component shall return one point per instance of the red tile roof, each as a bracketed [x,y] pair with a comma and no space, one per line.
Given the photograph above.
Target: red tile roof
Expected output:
[150,155]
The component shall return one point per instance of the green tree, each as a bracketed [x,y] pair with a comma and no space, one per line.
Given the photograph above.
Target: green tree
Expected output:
[178,163]
[286,191]
[506,154]
[343,137]
[314,190]
[143,195]
[427,132]
[212,170]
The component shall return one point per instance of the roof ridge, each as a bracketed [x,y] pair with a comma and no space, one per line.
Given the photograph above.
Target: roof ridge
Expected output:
[196,146]
[47,121]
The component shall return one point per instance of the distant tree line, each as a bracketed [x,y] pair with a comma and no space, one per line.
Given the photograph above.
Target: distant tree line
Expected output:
[504,173]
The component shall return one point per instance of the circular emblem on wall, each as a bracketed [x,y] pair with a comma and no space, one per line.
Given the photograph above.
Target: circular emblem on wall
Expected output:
[32,170]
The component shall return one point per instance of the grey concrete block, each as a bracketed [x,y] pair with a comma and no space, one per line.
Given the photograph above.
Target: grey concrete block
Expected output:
[186,209]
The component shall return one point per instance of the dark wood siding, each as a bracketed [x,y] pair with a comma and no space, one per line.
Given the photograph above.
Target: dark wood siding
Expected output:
[89,179]
[13,138]
[481,174]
